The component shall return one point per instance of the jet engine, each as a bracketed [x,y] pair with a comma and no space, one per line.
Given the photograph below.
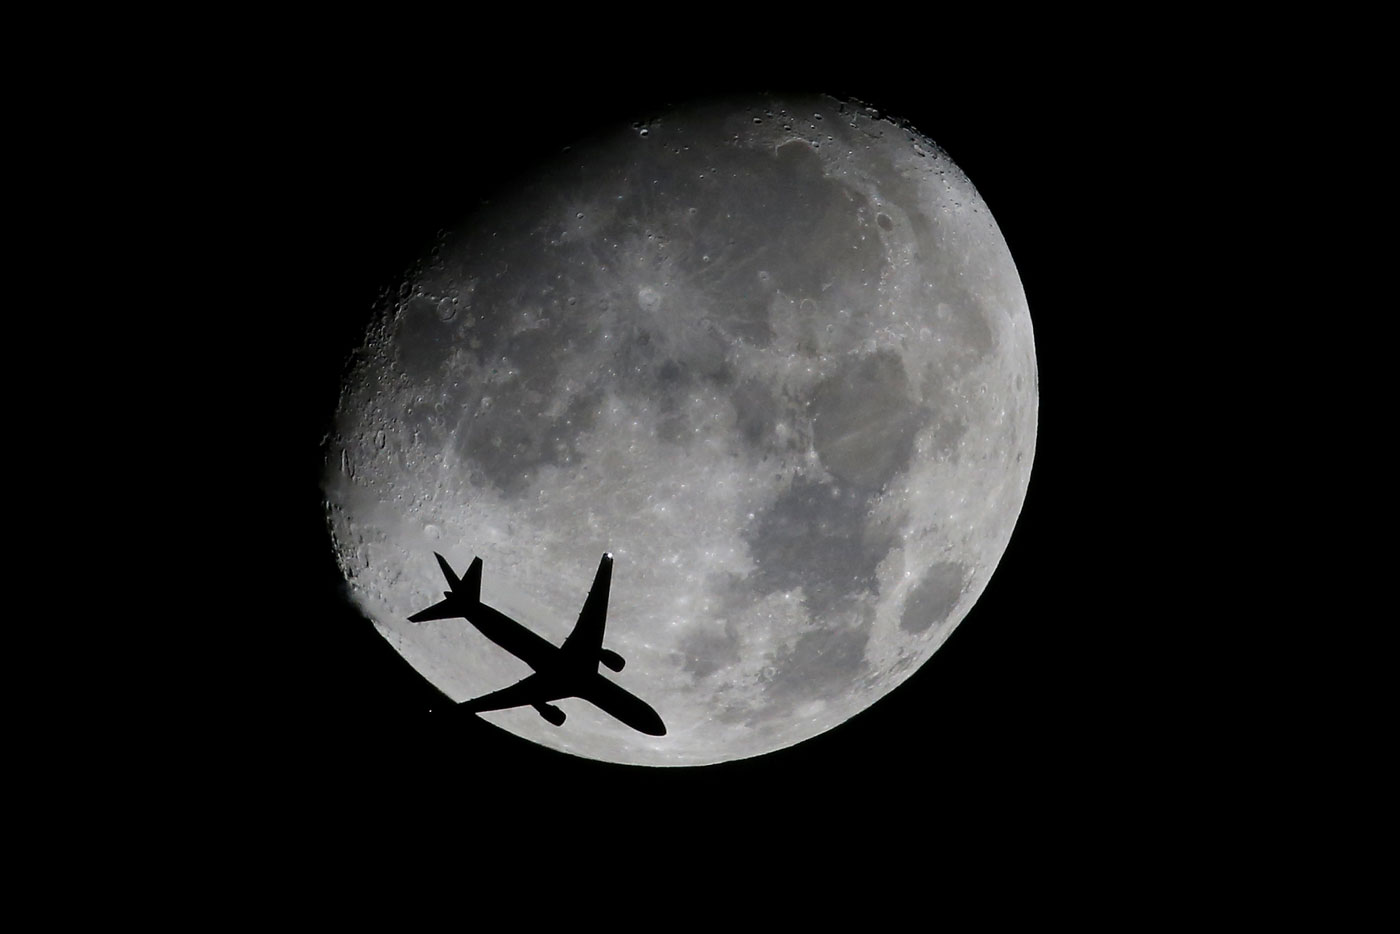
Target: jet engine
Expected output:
[611,659]
[551,713]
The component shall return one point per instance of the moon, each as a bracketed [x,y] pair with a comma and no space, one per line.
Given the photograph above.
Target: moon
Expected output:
[772,354]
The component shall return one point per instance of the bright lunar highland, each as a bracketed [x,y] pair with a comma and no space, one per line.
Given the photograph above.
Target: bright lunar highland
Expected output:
[772,354]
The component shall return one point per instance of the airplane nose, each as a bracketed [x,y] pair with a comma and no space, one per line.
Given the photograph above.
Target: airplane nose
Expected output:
[652,725]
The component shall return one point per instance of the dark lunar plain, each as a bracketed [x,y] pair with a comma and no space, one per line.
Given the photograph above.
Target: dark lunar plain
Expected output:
[1031,719]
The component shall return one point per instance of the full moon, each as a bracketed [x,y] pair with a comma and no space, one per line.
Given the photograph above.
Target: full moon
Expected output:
[772,354]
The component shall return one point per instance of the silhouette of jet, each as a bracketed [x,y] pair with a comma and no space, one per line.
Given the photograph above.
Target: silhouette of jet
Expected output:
[570,670]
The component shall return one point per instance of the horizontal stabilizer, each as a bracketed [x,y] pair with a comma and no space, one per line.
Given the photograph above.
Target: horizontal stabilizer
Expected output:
[442,610]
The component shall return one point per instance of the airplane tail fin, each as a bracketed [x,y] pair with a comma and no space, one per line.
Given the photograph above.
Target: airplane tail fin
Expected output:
[447,571]
[460,600]
[467,586]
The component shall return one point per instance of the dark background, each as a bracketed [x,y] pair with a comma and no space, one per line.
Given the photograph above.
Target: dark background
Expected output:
[1037,713]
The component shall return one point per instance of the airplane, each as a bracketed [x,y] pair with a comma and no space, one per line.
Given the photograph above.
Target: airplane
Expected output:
[570,670]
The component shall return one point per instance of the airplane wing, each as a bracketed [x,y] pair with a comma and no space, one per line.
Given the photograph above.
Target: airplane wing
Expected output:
[532,690]
[439,610]
[587,637]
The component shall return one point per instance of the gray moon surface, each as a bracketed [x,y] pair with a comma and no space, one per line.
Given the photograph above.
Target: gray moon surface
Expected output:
[773,354]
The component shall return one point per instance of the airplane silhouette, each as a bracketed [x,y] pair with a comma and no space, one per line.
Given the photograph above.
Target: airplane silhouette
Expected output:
[570,670]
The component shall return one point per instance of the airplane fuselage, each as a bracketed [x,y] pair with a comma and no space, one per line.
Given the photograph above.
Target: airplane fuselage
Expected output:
[534,650]
[562,676]
[620,703]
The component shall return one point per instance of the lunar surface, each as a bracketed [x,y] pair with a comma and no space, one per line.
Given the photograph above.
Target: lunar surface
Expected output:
[774,355]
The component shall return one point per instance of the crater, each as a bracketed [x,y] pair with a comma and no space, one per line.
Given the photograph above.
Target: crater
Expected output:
[648,298]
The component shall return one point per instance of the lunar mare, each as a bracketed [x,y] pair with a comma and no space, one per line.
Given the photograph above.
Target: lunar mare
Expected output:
[773,355]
